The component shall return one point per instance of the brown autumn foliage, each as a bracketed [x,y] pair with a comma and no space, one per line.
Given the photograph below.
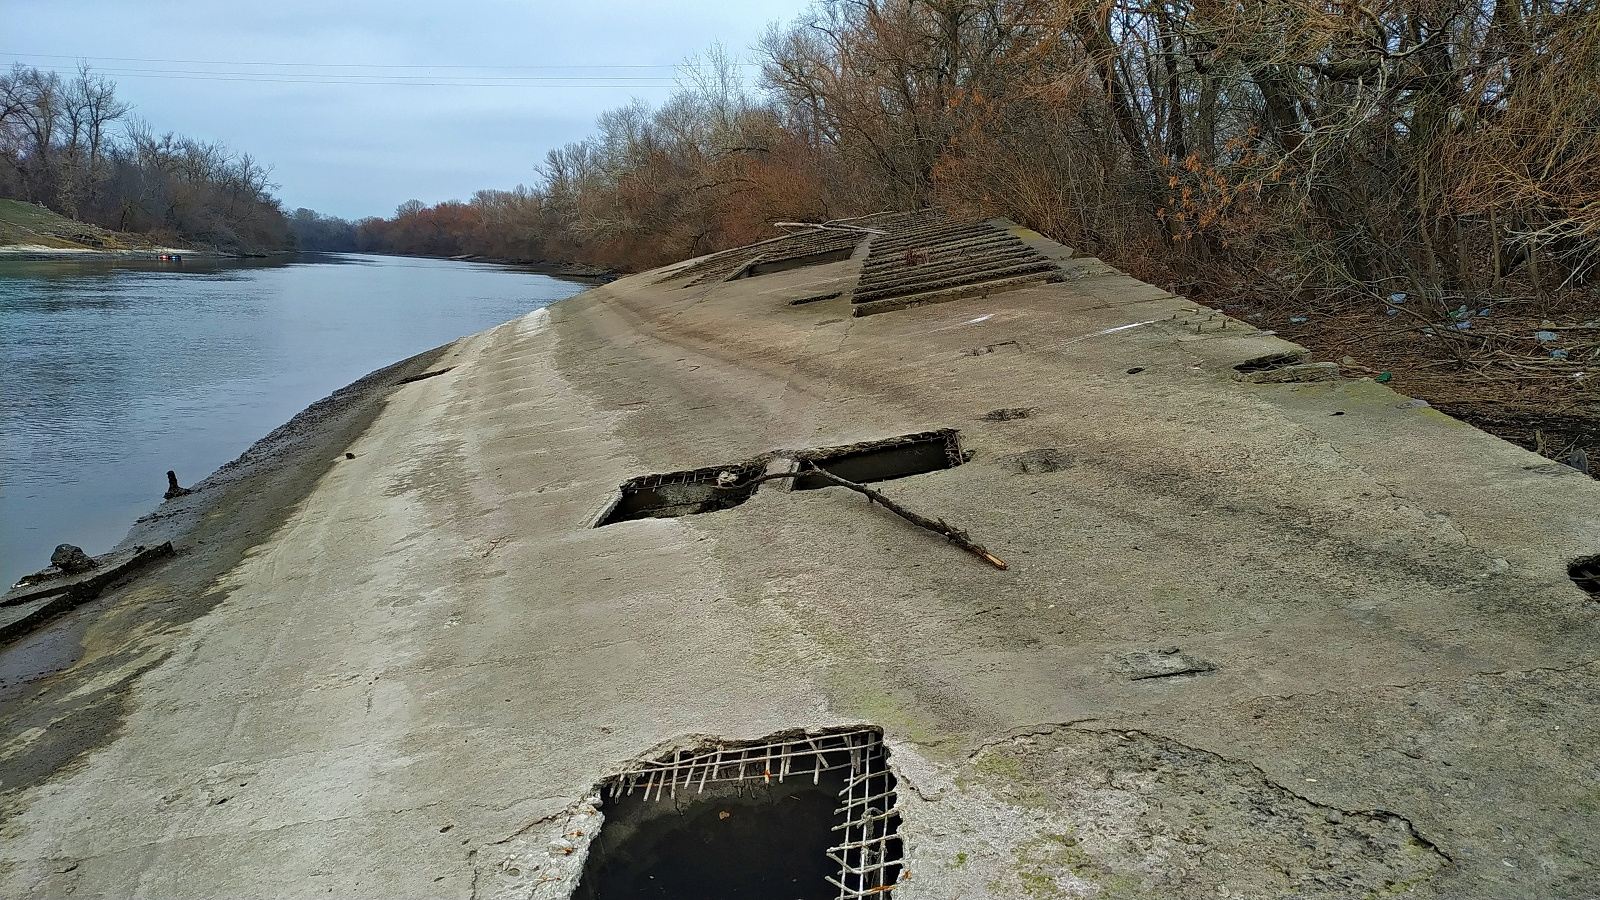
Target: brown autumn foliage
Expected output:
[69,144]
[1305,162]
[1427,146]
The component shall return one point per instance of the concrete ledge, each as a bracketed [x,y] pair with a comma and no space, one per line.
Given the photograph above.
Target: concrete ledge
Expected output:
[25,608]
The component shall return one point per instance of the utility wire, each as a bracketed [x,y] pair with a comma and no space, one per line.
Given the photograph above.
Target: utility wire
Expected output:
[203,62]
[388,78]
[270,78]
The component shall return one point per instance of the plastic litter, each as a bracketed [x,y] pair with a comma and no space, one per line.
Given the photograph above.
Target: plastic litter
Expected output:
[1544,337]
[1299,320]
[1558,354]
[1384,377]
[1463,326]
[1397,297]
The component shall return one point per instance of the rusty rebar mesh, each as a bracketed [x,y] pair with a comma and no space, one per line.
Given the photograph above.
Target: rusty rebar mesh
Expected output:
[865,847]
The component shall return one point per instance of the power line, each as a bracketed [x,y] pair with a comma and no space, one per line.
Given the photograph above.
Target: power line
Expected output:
[397,79]
[204,62]
[267,78]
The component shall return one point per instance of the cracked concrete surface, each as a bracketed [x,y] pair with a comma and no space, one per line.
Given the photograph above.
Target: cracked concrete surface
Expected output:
[411,685]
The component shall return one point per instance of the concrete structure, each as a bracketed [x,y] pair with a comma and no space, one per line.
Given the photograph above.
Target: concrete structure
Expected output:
[1258,637]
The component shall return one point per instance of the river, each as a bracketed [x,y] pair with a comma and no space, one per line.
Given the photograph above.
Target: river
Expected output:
[111,373]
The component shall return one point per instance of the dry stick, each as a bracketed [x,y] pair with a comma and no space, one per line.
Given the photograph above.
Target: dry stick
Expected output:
[954,535]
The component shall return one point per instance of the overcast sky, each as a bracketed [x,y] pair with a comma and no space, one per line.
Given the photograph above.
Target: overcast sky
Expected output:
[217,71]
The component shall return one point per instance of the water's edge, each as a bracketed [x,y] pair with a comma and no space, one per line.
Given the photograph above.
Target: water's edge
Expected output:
[108,640]
[118,371]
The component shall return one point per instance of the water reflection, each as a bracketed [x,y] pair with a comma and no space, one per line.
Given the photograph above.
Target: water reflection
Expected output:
[113,372]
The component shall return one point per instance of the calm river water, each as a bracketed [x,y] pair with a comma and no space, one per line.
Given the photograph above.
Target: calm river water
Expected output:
[113,373]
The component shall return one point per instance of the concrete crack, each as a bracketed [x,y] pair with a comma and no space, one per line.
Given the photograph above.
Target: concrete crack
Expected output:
[1040,730]
[902,780]
[529,827]
[1379,813]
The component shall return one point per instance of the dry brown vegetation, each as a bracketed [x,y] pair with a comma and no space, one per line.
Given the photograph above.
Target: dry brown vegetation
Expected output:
[1305,163]
[68,144]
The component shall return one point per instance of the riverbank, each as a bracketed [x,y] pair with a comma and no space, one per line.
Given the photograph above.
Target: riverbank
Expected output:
[213,354]
[125,632]
[576,271]
[1253,611]
[31,232]
[41,252]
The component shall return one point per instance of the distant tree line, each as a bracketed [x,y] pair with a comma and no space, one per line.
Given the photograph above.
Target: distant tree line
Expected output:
[1276,146]
[69,144]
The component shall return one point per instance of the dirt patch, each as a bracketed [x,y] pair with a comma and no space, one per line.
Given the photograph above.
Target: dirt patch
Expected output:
[1526,371]
[1036,462]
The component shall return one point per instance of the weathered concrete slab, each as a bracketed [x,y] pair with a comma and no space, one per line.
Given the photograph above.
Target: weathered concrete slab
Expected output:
[26,607]
[1381,682]
[51,581]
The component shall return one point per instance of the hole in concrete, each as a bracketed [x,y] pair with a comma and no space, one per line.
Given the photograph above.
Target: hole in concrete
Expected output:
[796,815]
[1269,362]
[1585,573]
[1008,414]
[898,457]
[769,266]
[683,493]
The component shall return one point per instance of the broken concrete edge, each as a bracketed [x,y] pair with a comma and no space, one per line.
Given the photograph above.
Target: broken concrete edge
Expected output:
[739,271]
[1585,573]
[942,278]
[815,298]
[982,288]
[771,463]
[80,591]
[1100,727]
[995,259]
[1293,374]
[1267,362]
[545,859]
[418,377]
[108,565]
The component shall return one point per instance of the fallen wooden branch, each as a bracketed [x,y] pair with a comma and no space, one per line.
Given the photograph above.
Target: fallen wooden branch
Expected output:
[938,526]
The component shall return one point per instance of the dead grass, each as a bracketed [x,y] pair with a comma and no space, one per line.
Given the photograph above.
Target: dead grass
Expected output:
[1493,373]
[29,224]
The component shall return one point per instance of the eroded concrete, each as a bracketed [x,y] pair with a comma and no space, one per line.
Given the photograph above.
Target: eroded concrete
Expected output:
[410,687]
